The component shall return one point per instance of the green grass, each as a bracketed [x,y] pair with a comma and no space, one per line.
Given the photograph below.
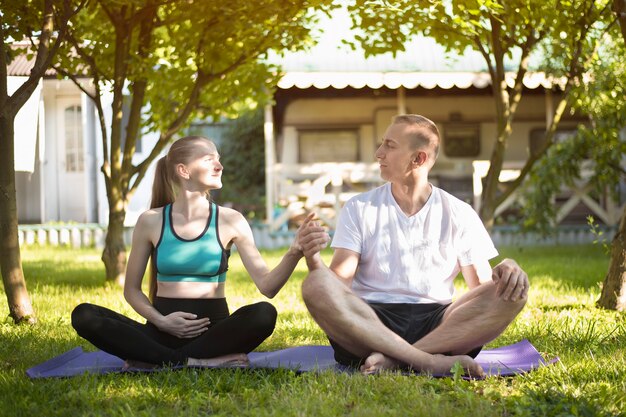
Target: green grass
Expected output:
[560,319]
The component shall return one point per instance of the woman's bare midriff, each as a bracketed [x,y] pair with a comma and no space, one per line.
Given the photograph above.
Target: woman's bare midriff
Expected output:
[191,289]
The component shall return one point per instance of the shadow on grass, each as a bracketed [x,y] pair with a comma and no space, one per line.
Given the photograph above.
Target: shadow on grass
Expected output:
[64,274]
[561,307]
[552,402]
[563,278]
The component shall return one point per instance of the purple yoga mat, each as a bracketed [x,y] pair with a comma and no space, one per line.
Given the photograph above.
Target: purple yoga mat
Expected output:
[506,360]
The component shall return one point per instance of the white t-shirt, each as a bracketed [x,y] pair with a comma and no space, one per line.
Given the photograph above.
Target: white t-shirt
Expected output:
[410,259]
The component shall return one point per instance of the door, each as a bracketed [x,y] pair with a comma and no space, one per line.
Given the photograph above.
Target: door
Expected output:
[71,157]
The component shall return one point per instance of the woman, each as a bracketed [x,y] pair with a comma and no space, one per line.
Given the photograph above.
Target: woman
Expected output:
[188,239]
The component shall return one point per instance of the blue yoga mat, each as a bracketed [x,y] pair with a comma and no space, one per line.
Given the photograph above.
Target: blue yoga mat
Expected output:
[503,361]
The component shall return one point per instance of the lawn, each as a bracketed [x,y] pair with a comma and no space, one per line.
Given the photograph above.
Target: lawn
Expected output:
[560,319]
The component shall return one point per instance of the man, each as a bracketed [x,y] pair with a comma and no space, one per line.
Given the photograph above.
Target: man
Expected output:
[386,299]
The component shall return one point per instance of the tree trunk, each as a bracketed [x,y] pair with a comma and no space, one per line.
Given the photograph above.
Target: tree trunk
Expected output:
[20,308]
[487,213]
[613,295]
[503,108]
[114,253]
[489,197]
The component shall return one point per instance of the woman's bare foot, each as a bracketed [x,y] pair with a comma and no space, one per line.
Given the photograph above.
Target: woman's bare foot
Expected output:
[377,362]
[132,364]
[232,360]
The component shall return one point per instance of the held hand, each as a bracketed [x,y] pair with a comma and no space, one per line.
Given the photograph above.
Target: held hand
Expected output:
[183,325]
[310,238]
[511,280]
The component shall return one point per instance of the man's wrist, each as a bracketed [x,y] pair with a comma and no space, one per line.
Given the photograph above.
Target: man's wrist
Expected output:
[314,262]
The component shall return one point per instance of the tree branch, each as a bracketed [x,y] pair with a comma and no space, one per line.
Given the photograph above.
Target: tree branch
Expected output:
[201,80]
[619,8]
[120,71]
[481,48]
[139,87]
[548,142]
[45,52]
[499,90]
[522,69]
[76,81]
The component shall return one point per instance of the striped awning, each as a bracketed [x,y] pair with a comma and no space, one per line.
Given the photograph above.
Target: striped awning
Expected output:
[393,80]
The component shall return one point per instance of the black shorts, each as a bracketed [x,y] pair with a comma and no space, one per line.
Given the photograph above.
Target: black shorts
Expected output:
[409,321]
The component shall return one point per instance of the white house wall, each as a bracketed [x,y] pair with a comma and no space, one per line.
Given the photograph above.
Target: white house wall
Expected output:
[93,175]
[27,172]
[28,196]
[106,98]
[50,159]
[66,201]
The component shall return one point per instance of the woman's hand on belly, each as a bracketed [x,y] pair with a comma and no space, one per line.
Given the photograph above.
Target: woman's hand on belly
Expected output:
[191,290]
[183,325]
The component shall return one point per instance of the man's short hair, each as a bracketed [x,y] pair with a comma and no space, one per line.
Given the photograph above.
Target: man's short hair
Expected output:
[429,133]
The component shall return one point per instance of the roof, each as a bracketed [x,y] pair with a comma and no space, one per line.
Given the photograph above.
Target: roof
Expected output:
[21,65]
[424,63]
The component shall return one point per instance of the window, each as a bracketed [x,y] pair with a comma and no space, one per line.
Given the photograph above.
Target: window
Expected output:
[460,187]
[538,137]
[74,154]
[461,140]
[329,146]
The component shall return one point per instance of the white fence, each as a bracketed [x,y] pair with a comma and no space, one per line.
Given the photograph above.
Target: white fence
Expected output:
[73,235]
[92,235]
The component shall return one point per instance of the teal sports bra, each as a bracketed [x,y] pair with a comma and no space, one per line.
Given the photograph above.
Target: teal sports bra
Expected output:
[202,259]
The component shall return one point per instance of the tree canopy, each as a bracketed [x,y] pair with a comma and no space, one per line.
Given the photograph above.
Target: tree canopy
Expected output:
[510,35]
[166,63]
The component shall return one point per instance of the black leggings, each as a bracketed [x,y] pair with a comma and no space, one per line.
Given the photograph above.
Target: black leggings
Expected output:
[128,339]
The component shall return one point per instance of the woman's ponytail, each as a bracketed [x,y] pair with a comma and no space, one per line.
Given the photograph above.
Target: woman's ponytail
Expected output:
[162,187]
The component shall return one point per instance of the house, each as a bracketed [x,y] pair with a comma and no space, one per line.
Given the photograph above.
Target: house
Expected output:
[58,154]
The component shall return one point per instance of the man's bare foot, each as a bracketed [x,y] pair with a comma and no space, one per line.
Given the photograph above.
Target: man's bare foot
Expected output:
[444,365]
[377,362]
[233,360]
[131,364]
